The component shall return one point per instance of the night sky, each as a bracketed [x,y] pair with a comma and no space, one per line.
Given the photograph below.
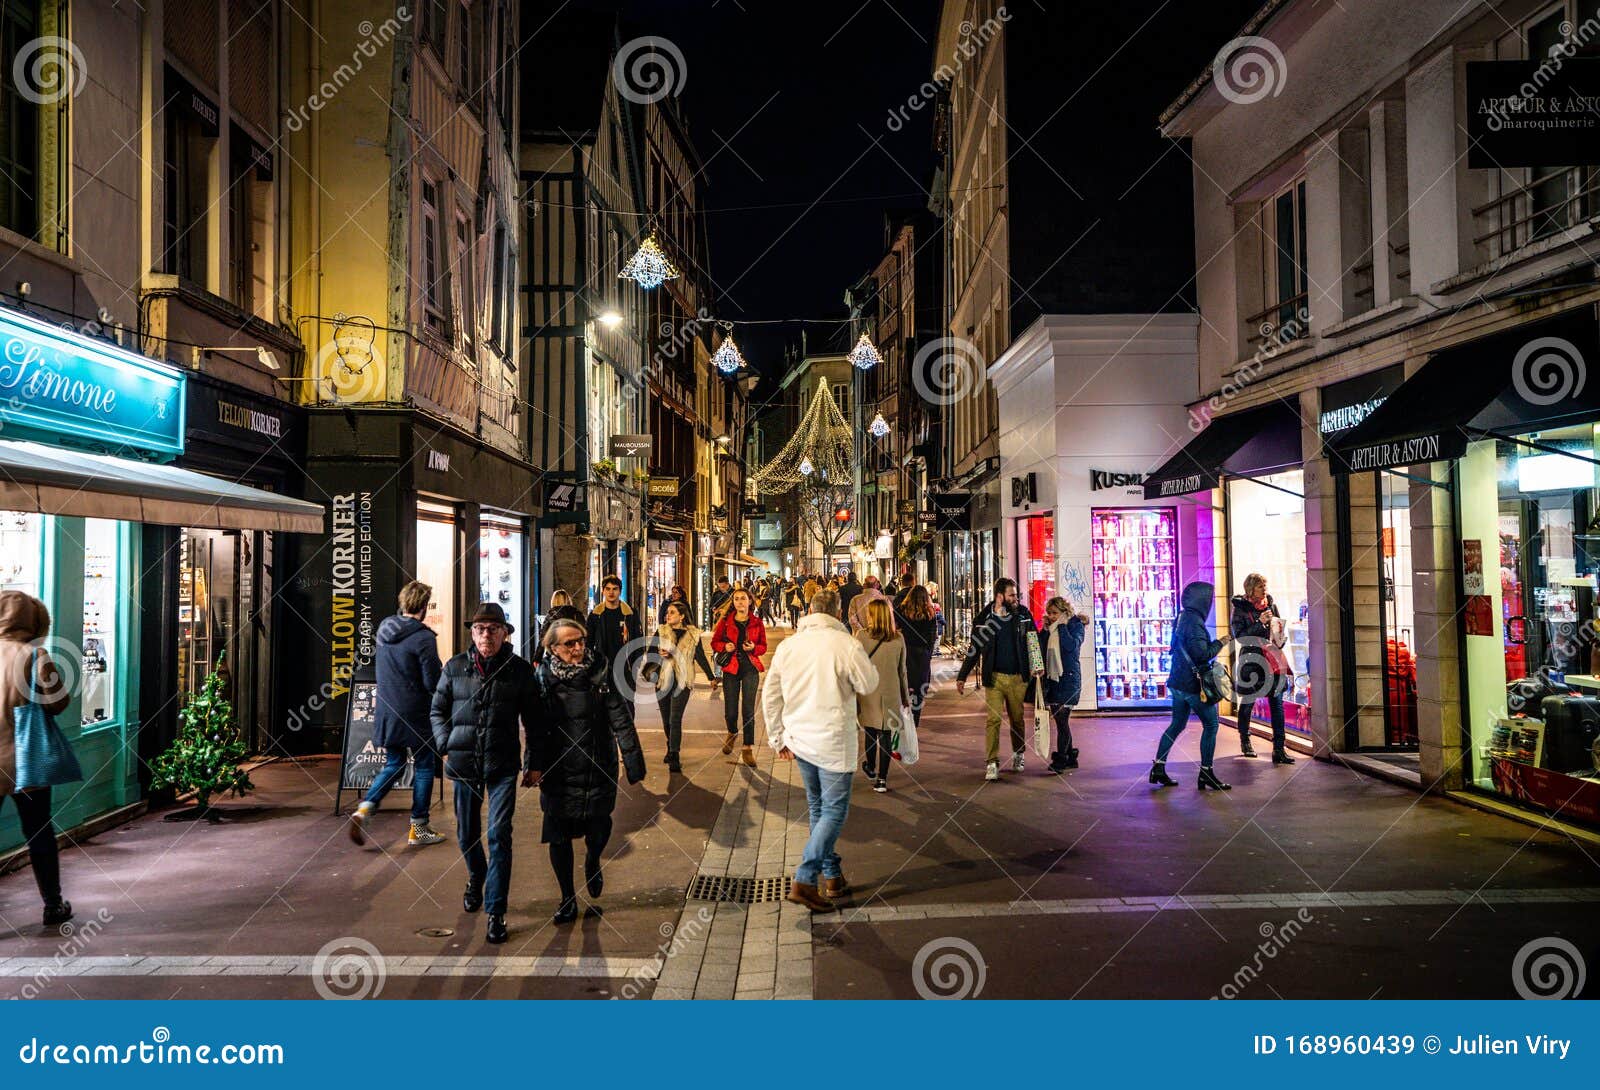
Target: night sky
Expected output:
[788,105]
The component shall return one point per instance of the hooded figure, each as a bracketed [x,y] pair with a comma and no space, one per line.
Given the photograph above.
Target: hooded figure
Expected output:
[27,675]
[1193,649]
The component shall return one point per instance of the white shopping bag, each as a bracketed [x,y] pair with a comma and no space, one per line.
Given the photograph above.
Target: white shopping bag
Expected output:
[904,741]
[1041,722]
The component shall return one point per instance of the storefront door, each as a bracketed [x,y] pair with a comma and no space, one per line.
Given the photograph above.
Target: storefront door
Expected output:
[438,560]
[1395,601]
[503,570]
[1035,538]
[1267,537]
[216,630]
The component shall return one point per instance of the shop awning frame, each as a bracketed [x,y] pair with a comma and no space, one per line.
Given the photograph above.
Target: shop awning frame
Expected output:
[1250,443]
[50,480]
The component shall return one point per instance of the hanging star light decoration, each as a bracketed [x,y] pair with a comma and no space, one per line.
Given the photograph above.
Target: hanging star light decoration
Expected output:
[864,355]
[649,268]
[727,357]
[879,426]
[822,448]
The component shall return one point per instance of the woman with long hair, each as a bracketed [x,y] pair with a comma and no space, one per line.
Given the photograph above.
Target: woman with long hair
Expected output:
[588,725]
[740,639]
[677,641]
[879,712]
[1063,676]
[916,621]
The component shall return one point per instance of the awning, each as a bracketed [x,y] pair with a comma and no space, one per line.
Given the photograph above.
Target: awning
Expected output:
[54,481]
[742,562]
[1534,376]
[1250,443]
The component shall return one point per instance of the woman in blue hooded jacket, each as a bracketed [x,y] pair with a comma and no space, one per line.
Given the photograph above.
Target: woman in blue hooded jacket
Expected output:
[1193,651]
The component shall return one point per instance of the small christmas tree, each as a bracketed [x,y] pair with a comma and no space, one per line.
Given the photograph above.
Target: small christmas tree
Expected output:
[205,756]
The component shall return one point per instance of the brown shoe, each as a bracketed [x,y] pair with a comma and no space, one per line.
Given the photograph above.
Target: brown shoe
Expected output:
[727,743]
[748,756]
[835,888]
[802,894]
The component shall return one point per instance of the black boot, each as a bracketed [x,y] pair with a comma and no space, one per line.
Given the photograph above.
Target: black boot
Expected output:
[472,897]
[1209,781]
[497,932]
[57,913]
[566,913]
[1281,757]
[1246,749]
[593,877]
[1158,775]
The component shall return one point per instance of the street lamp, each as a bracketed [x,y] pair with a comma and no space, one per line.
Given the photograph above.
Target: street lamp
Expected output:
[610,319]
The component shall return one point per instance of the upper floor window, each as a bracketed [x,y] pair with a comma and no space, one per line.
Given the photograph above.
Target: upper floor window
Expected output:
[433,294]
[1283,266]
[186,180]
[465,299]
[433,24]
[32,127]
[249,218]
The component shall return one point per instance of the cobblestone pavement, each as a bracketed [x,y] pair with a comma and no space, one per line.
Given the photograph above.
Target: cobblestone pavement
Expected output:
[1303,881]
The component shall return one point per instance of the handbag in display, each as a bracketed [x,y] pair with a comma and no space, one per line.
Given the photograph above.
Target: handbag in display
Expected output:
[44,759]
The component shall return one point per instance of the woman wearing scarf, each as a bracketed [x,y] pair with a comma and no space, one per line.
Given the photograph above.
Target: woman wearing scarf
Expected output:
[677,641]
[1063,676]
[587,722]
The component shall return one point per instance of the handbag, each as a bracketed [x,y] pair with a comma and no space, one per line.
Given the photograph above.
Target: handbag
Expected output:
[44,759]
[1041,721]
[1035,655]
[1215,684]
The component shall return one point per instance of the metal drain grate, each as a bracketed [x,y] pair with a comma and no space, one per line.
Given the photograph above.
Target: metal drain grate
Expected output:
[742,891]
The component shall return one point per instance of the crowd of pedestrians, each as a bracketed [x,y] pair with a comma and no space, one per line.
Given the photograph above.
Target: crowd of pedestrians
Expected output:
[858,664]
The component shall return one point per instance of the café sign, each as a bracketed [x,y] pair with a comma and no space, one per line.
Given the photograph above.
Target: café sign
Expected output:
[57,386]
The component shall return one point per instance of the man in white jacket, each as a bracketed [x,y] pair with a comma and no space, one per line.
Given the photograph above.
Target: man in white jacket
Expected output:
[810,704]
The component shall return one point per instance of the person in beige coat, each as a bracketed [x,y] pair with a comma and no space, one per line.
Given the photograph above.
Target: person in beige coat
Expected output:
[879,711]
[24,665]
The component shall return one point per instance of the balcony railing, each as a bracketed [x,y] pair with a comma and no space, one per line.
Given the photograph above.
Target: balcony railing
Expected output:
[1537,210]
[1281,323]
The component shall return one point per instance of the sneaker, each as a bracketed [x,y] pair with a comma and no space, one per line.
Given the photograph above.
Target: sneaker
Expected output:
[358,821]
[991,771]
[881,786]
[422,835]
[1017,761]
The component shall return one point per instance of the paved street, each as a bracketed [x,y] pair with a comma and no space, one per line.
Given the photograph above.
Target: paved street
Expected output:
[1311,881]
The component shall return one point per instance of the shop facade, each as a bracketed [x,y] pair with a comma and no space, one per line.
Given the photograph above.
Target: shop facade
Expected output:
[88,475]
[1088,404]
[409,498]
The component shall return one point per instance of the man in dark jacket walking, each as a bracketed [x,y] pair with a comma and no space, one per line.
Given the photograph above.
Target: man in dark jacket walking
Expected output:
[484,693]
[847,594]
[407,662]
[1000,644]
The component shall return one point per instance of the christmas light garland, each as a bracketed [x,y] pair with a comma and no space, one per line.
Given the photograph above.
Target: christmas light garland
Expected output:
[820,450]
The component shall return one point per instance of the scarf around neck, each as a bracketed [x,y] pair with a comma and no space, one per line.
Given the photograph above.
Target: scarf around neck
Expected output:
[562,670]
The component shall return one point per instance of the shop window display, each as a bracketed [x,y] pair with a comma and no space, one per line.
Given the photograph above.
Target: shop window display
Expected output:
[501,569]
[21,551]
[1133,570]
[1267,535]
[1395,599]
[1530,553]
[1036,562]
[101,594]
[436,551]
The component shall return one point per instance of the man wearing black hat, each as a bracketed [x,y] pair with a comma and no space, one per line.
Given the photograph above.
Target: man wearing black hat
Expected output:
[482,694]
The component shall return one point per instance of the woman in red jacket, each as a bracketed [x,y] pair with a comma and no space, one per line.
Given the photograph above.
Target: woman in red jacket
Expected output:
[740,639]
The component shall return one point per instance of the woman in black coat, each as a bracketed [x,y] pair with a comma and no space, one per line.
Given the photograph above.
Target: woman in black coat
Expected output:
[914,616]
[561,609]
[586,723]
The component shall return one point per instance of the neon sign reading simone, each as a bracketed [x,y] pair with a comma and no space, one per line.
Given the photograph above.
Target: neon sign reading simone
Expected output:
[59,386]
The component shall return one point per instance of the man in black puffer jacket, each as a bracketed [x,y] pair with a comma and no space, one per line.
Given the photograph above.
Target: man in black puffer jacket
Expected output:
[482,695]
[587,722]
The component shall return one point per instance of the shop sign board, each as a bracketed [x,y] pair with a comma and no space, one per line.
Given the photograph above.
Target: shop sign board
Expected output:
[1533,113]
[664,487]
[1024,489]
[1102,479]
[629,446]
[1346,404]
[363,757]
[57,386]
[563,496]
[948,512]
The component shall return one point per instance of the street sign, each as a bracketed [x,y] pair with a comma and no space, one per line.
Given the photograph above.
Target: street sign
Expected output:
[755,511]
[630,446]
[666,487]
[949,511]
[562,496]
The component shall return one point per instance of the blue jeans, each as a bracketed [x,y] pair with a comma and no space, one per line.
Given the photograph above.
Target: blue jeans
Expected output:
[493,875]
[1182,705]
[828,799]
[427,766]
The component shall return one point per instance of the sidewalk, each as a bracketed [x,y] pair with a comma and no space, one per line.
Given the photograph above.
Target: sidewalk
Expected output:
[1094,884]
